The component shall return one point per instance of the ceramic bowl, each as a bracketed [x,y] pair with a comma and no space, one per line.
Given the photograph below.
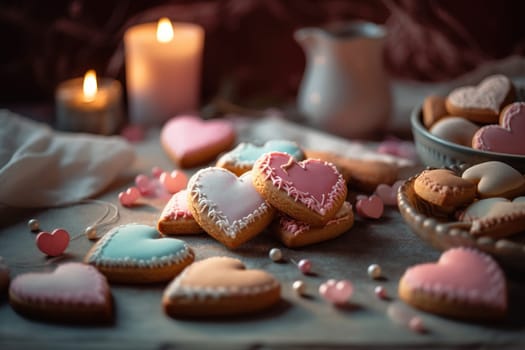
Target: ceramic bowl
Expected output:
[436,152]
[510,251]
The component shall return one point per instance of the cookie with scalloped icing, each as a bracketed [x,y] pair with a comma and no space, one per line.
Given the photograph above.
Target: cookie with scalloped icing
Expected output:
[293,233]
[220,286]
[228,207]
[136,253]
[176,217]
[241,159]
[311,191]
[464,283]
[73,292]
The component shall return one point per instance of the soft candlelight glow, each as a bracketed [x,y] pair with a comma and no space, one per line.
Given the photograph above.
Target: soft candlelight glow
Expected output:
[164,30]
[90,85]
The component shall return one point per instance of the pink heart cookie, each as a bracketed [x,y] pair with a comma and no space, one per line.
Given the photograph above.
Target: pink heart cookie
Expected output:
[508,136]
[73,292]
[54,243]
[464,283]
[191,141]
[370,207]
[311,191]
[228,207]
[389,193]
[176,217]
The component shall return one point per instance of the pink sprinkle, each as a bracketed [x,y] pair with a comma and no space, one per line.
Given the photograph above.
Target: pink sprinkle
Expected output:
[380,292]
[416,325]
[336,292]
[305,266]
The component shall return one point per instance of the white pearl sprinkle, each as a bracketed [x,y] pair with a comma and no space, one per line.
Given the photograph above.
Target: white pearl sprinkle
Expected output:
[374,271]
[34,225]
[91,232]
[299,287]
[275,254]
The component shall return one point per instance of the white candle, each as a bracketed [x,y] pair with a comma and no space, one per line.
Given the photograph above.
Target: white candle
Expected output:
[163,70]
[89,105]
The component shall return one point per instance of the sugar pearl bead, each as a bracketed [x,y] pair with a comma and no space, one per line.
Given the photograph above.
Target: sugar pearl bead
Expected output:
[275,254]
[299,287]
[374,271]
[91,232]
[380,292]
[416,325]
[34,225]
[305,266]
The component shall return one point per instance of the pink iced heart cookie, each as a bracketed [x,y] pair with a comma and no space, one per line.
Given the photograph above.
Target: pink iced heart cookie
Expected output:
[464,283]
[176,217]
[389,193]
[482,103]
[508,136]
[228,207]
[54,243]
[73,292]
[191,141]
[370,207]
[311,191]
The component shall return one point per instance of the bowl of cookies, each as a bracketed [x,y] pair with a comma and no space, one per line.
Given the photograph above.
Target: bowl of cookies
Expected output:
[482,207]
[471,125]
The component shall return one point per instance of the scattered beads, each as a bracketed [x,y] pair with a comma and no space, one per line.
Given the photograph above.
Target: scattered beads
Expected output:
[416,325]
[336,292]
[275,254]
[374,271]
[173,182]
[156,171]
[34,225]
[91,232]
[145,185]
[299,287]
[129,197]
[305,266]
[380,292]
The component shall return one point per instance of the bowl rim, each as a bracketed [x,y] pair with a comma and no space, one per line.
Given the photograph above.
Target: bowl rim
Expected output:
[416,123]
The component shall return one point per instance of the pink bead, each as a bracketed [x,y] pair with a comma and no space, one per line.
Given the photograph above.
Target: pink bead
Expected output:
[174,182]
[336,292]
[129,197]
[156,171]
[371,207]
[305,266]
[145,185]
[416,324]
[380,292]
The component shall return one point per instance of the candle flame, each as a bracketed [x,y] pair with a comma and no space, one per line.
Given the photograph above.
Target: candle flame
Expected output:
[164,30]
[90,85]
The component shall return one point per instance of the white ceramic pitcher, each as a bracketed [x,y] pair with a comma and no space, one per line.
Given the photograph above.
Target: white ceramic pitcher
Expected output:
[345,88]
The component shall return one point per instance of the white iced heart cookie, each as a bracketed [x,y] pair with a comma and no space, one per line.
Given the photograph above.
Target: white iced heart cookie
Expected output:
[495,179]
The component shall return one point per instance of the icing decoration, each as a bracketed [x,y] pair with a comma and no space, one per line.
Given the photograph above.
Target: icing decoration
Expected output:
[54,243]
[508,136]
[135,245]
[297,227]
[455,129]
[489,94]
[388,194]
[219,277]
[370,207]
[129,197]
[173,182]
[313,182]
[177,207]
[188,135]
[70,283]
[230,201]
[461,275]
[494,178]
[245,154]
[336,292]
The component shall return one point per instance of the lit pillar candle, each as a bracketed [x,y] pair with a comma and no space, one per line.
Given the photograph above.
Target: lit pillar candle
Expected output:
[89,105]
[163,70]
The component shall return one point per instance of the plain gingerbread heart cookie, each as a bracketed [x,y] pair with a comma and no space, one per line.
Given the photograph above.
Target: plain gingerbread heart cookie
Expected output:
[228,207]
[220,286]
[191,141]
[495,179]
[74,292]
[482,103]
[241,159]
[464,283]
[433,110]
[311,191]
[135,253]
[455,129]
[508,136]
[176,217]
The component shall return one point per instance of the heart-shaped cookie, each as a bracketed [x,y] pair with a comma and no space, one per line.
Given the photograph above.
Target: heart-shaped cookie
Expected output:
[135,253]
[311,191]
[228,207]
[508,136]
[455,129]
[191,141]
[389,193]
[370,207]
[495,179]
[73,292]
[433,109]
[220,286]
[482,103]
[464,283]
[495,217]
[54,243]
[241,159]
[176,217]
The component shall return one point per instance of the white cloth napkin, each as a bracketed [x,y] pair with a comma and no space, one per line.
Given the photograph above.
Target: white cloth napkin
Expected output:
[40,167]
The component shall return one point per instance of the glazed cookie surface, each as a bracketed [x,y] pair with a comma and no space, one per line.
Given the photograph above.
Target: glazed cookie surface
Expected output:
[311,191]
[73,292]
[228,207]
[495,179]
[220,286]
[136,253]
[176,217]
[192,141]
[241,159]
[464,283]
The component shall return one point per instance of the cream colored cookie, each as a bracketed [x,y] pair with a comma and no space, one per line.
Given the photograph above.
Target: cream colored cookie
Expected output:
[176,217]
[455,129]
[495,179]
[433,110]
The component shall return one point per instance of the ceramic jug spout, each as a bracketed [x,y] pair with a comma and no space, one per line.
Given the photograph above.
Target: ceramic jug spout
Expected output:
[308,37]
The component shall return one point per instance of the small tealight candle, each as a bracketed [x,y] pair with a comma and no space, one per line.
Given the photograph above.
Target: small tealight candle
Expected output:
[89,105]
